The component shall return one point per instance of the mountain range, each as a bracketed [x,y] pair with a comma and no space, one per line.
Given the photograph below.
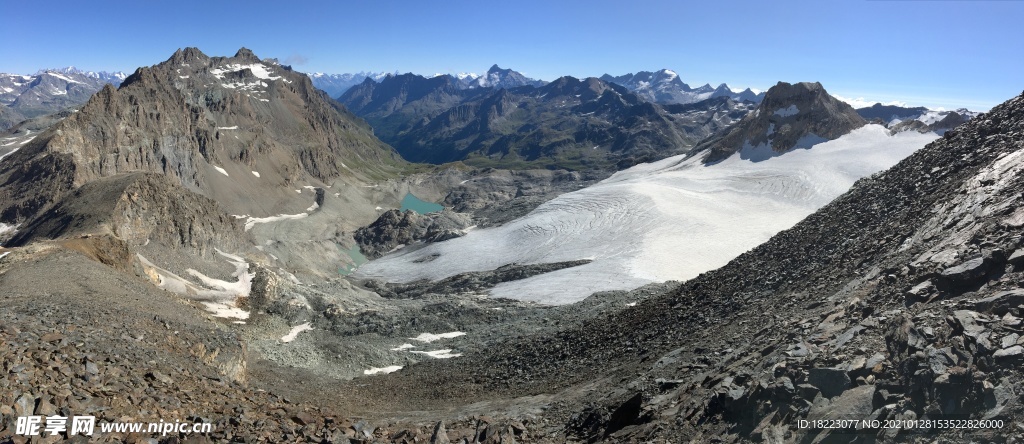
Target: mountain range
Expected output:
[336,84]
[48,91]
[568,123]
[665,87]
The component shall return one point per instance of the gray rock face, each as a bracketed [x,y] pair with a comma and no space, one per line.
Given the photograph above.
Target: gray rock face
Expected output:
[966,272]
[831,381]
[140,208]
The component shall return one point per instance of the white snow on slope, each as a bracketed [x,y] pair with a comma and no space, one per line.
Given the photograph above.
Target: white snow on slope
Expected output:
[439,354]
[7,228]
[217,295]
[382,370]
[430,337]
[4,254]
[258,69]
[668,220]
[222,170]
[252,221]
[294,333]
[931,117]
[791,110]
[64,78]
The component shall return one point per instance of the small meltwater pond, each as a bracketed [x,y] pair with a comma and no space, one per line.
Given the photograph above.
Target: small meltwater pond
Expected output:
[357,259]
[411,202]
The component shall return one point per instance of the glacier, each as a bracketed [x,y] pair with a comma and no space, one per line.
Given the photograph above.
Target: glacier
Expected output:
[668,220]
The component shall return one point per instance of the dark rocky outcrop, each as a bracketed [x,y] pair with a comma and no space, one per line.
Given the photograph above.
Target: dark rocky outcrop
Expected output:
[790,116]
[395,229]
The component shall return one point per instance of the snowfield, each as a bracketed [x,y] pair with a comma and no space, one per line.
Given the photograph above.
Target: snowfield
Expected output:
[668,220]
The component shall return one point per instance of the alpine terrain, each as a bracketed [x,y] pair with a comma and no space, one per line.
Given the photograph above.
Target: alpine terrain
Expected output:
[395,258]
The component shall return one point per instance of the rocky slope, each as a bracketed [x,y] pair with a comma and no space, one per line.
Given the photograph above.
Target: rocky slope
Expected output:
[568,123]
[9,117]
[665,87]
[899,300]
[790,116]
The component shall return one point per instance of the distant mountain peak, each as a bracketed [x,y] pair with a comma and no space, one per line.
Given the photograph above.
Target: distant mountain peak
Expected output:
[246,54]
[496,77]
[666,87]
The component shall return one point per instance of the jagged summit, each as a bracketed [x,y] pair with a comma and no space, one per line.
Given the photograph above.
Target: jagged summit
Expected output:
[790,116]
[187,55]
[246,54]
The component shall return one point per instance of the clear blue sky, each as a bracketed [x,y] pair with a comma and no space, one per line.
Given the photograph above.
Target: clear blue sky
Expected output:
[933,53]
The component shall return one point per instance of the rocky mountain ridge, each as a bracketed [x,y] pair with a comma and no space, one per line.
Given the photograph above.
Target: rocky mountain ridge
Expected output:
[790,116]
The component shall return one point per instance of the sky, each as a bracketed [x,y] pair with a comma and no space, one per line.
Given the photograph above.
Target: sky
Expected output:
[947,54]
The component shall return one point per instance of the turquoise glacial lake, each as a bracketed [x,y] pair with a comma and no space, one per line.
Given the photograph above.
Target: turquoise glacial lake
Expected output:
[411,202]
